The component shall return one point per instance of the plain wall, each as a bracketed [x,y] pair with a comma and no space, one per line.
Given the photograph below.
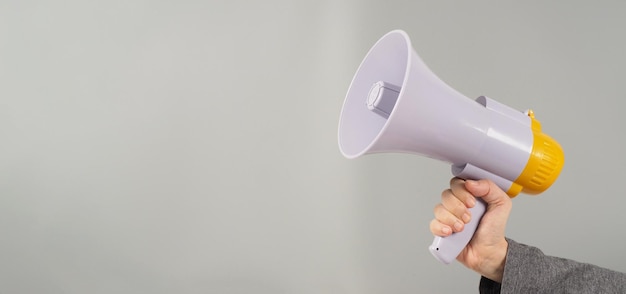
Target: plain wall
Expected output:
[191,146]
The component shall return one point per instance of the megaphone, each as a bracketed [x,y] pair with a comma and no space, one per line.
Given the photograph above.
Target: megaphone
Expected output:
[396,104]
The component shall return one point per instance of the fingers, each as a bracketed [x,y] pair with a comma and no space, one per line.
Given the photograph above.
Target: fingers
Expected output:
[439,229]
[460,191]
[445,222]
[451,203]
[452,213]
[488,191]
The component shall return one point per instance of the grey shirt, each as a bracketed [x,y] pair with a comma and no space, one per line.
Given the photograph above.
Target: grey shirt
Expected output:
[528,270]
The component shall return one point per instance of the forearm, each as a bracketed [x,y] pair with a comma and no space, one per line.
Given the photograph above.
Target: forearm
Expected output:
[528,270]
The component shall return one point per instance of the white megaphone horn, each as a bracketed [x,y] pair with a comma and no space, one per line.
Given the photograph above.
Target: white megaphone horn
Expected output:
[396,104]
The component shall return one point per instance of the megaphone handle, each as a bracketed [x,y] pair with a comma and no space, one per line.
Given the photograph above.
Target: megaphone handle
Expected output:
[446,249]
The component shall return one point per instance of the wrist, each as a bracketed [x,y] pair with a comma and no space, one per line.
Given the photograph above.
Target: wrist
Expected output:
[492,266]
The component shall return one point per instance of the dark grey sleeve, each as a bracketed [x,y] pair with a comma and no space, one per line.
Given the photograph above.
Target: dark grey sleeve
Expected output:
[528,270]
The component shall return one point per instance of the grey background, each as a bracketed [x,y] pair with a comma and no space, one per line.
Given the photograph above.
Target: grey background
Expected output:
[190,146]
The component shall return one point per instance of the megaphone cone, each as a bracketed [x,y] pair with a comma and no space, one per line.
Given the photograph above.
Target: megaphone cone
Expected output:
[396,104]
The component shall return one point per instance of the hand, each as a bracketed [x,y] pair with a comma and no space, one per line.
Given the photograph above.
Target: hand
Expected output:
[486,252]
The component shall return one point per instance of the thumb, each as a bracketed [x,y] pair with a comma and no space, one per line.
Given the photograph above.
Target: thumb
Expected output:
[488,191]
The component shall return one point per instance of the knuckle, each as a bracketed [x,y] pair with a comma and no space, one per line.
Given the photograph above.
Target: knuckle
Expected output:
[460,208]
